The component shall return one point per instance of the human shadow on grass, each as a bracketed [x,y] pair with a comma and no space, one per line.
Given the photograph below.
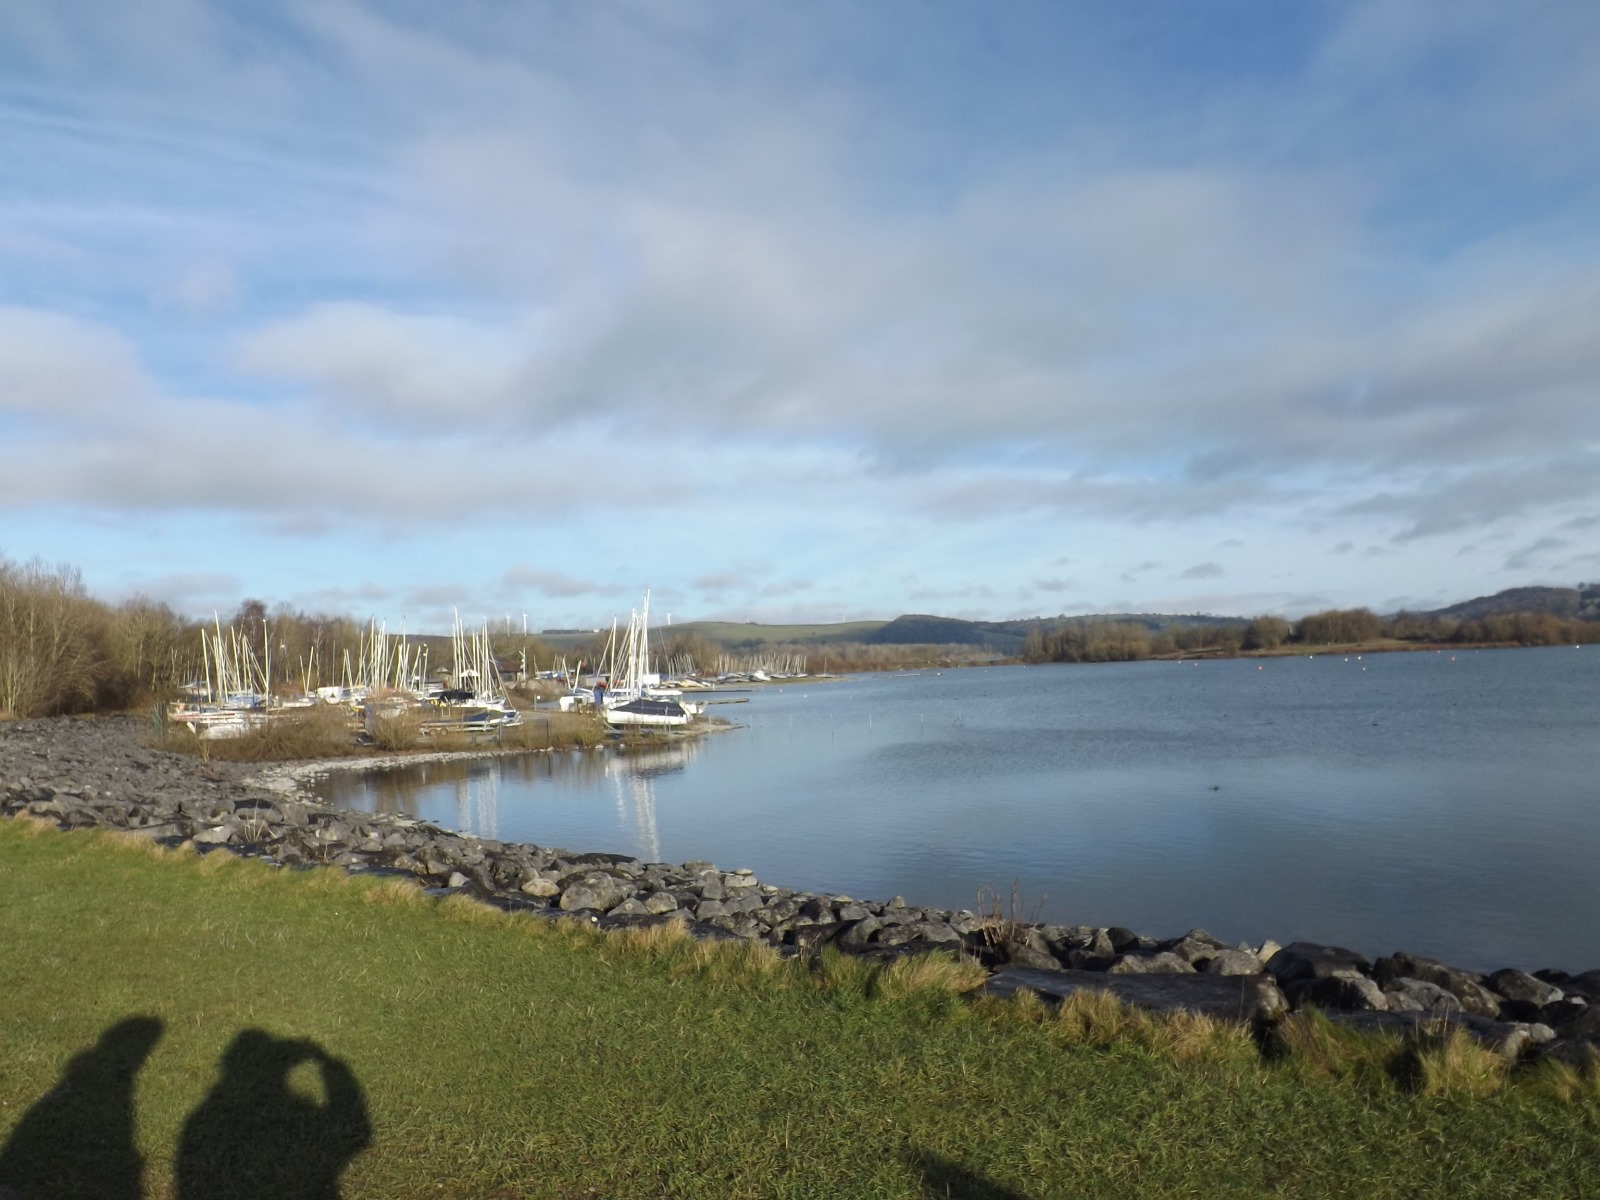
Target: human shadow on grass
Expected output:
[255,1137]
[945,1180]
[77,1139]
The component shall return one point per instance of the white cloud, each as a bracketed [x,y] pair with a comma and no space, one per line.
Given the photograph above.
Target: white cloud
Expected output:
[332,268]
[550,583]
[59,369]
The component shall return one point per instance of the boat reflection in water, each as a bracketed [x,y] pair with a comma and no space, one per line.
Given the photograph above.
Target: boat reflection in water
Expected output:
[633,777]
[555,793]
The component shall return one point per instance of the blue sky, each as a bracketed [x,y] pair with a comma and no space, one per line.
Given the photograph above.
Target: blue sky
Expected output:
[800,311]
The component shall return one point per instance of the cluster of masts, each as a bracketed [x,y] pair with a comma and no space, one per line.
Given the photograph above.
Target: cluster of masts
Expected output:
[774,664]
[238,688]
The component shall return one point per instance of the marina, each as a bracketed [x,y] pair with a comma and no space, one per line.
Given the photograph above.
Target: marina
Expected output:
[1442,803]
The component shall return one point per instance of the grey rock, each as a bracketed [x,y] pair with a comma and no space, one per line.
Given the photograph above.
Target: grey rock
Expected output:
[1124,940]
[1522,995]
[1193,950]
[1234,962]
[1243,998]
[1162,962]
[1417,995]
[858,934]
[743,903]
[1584,1055]
[594,890]
[1349,990]
[778,911]
[1024,954]
[1463,985]
[1585,1023]
[631,907]
[657,903]
[937,933]
[1308,960]
[898,934]
[811,938]
[1585,984]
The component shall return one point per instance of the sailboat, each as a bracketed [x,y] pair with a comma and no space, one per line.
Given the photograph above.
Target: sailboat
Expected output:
[636,696]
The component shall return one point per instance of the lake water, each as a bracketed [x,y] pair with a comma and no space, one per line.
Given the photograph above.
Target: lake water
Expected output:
[1443,804]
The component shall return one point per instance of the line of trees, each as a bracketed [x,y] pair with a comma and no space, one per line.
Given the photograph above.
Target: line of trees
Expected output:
[63,651]
[1124,641]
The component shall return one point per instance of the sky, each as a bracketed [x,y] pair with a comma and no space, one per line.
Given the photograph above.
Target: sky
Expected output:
[800,311]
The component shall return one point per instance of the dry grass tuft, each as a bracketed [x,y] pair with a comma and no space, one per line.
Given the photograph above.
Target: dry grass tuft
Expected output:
[1456,1064]
[922,974]
[1312,1044]
[468,910]
[1192,1037]
[1561,1081]
[324,731]
[1026,1005]
[213,862]
[396,729]
[655,941]
[1092,1016]
[731,962]
[395,893]
[30,824]
[840,974]
[143,844]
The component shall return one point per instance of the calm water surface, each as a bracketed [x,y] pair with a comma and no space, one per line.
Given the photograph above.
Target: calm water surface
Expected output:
[1448,805]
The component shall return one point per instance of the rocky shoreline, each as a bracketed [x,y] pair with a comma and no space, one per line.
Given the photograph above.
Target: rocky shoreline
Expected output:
[100,774]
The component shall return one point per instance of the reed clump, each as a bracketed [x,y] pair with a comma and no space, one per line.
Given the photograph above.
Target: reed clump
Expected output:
[322,731]
[395,729]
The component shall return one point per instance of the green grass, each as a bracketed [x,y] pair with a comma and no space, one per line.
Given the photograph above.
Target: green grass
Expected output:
[505,1057]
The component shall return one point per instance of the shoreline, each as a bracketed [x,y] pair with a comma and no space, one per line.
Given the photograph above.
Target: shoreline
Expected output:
[98,773]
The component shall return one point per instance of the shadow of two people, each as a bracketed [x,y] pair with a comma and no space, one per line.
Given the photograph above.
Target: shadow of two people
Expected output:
[253,1136]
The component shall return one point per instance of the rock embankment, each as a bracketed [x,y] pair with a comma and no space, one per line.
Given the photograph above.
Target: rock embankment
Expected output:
[99,774]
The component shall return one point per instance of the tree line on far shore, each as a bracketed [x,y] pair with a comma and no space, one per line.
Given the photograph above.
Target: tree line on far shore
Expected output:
[1128,641]
[63,651]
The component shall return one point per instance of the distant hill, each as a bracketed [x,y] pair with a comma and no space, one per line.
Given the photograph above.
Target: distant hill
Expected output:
[1154,622]
[751,634]
[1582,601]
[921,630]
[911,629]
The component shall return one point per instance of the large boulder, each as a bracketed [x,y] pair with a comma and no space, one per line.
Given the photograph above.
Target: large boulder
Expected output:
[593,890]
[1347,990]
[1522,995]
[1308,960]
[1233,962]
[1163,962]
[1586,984]
[1417,995]
[1028,948]
[1465,986]
[1584,1023]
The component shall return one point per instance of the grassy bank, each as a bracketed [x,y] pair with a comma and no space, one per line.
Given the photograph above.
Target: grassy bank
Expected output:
[502,1057]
